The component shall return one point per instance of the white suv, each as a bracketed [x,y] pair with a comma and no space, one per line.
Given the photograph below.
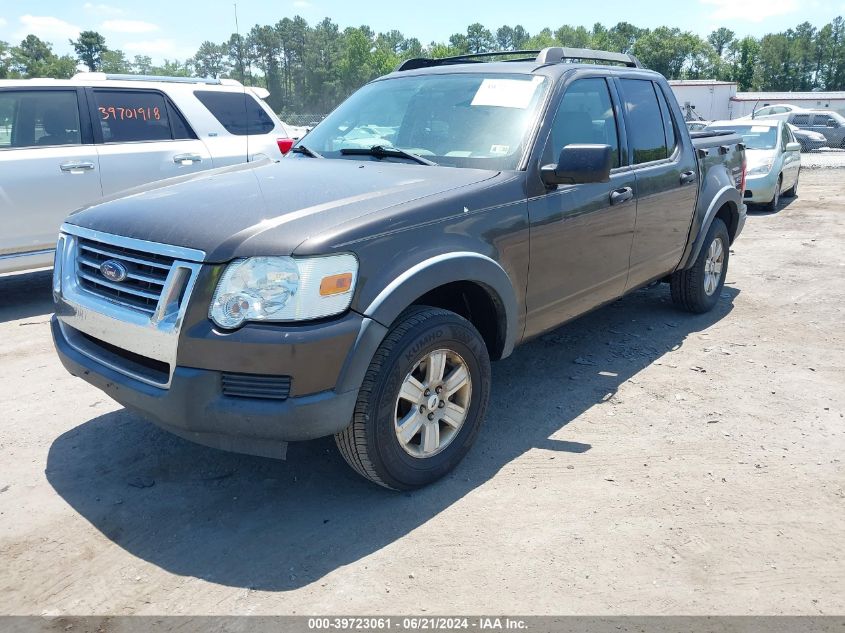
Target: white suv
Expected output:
[68,143]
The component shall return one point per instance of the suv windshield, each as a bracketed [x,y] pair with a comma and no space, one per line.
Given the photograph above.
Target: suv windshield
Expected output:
[459,120]
[754,136]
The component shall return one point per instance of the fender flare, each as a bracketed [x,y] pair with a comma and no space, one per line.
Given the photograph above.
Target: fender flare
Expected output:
[726,195]
[413,283]
[443,269]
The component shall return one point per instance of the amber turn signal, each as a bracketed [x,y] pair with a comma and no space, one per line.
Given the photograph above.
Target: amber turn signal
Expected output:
[335,284]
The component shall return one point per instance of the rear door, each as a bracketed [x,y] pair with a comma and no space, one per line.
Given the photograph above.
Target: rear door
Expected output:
[48,165]
[667,180]
[580,234]
[141,137]
[828,126]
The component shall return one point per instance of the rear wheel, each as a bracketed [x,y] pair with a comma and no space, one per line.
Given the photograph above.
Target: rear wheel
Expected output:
[422,401]
[697,289]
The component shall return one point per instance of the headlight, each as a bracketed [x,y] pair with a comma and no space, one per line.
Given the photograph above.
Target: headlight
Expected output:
[762,169]
[283,289]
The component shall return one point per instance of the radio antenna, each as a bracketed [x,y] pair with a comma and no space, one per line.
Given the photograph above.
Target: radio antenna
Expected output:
[243,78]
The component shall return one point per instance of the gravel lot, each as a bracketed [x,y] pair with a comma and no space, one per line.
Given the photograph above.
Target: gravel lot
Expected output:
[639,460]
[823,159]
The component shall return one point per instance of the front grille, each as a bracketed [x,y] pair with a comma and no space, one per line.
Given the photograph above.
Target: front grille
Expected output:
[748,193]
[256,386]
[146,274]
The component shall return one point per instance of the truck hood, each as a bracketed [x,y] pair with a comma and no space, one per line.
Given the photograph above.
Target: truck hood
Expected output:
[239,211]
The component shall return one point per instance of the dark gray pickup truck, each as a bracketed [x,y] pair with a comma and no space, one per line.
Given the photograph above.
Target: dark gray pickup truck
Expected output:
[439,217]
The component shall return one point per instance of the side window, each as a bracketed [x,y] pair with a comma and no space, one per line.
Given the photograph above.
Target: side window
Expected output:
[646,136]
[779,110]
[585,115]
[825,120]
[668,123]
[181,129]
[132,115]
[764,112]
[784,136]
[801,119]
[38,118]
[238,112]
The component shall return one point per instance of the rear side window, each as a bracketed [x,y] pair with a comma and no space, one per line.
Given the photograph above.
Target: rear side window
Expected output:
[238,112]
[646,133]
[137,115]
[801,119]
[39,118]
[825,120]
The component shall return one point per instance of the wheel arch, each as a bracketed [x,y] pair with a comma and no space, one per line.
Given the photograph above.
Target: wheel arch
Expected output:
[725,206]
[470,284]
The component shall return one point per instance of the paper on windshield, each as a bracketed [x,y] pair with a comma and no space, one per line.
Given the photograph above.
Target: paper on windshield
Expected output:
[506,93]
[758,129]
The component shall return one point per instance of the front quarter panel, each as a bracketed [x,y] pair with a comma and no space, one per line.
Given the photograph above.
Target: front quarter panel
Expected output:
[477,234]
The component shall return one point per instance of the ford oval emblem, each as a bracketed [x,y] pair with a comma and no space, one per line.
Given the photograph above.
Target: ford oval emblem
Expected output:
[113,270]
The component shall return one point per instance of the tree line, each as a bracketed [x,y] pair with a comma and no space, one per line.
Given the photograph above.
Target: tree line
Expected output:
[311,68]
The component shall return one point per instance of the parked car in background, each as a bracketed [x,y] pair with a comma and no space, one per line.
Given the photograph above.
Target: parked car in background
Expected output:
[437,218]
[778,111]
[809,140]
[68,143]
[773,156]
[296,131]
[825,122]
[695,126]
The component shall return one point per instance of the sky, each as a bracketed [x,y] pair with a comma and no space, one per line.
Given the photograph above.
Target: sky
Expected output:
[175,28]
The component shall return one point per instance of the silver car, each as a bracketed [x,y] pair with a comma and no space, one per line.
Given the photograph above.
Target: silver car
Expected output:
[826,122]
[773,159]
[68,143]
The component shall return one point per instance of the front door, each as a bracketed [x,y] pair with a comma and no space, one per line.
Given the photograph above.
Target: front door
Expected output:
[48,166]
[580,234]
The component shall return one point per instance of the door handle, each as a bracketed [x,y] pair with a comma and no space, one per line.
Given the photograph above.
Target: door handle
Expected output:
[76,167]
[621,195]
[687,177]
[187,159]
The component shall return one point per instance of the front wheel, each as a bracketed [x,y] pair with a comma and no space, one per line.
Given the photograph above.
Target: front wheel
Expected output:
[422,401]
[697,289]
[792,192]
[772,205]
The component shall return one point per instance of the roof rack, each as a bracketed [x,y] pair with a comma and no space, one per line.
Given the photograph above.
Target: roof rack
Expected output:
[160,78]
[551,55]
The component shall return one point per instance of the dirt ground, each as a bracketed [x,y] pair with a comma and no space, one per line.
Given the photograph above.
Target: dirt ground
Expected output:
[639,460]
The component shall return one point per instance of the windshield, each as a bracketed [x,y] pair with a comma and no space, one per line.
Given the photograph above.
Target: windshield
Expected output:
[458,120]
[754,136]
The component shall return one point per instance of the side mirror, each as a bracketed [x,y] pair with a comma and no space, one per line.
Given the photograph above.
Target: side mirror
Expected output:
[579,164]
[793,147]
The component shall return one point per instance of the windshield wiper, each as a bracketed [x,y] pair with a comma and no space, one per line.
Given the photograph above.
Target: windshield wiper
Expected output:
[302,149]
[380,151]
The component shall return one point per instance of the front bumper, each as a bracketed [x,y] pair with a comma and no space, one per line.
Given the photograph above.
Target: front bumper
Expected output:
[194,406]
[761,188]
[250,390]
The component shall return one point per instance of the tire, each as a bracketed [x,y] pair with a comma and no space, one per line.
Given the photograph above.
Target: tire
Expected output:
[691,290]
[792,192]
[371,443]
[772,205]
